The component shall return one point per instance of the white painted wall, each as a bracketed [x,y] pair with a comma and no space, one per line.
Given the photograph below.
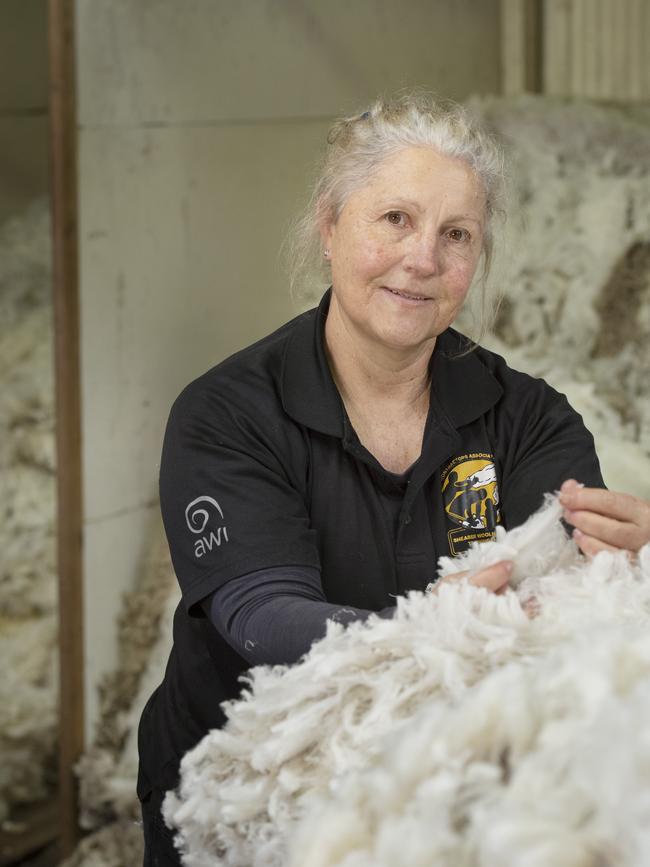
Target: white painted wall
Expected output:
[199,121]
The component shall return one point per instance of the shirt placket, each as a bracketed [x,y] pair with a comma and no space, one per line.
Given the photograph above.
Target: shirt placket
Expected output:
[416,551]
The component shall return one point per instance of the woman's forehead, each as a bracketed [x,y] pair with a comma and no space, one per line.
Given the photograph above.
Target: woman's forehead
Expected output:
[421,174]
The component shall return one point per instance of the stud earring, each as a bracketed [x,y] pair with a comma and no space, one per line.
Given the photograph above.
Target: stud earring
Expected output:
[326,254]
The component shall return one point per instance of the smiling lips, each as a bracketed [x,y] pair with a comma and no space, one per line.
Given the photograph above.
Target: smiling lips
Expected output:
[407,295]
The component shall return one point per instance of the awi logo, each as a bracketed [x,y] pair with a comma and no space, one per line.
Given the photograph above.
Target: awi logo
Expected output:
[198,514]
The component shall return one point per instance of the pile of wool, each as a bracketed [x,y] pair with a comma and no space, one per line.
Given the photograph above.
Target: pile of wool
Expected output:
[575,265]
[118,844]
[108,770]
[463,731]
[28,716]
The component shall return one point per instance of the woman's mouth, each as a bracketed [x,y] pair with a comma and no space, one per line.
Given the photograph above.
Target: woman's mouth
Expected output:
[409,296]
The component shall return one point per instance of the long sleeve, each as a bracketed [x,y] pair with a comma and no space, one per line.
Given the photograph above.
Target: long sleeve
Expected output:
[274,615]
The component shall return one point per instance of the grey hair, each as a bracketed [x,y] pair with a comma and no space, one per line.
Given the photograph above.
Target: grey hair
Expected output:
[359,144]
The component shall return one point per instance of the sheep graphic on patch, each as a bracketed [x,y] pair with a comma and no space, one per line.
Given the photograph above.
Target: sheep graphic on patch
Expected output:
[471,498]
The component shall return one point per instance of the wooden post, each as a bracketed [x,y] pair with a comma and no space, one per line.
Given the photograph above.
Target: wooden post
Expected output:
[63,144]
[521,46]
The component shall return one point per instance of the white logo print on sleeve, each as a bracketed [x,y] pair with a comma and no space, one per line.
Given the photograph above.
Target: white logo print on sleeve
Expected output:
[198,514]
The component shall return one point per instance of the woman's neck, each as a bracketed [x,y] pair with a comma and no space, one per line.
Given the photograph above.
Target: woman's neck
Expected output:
[368,373]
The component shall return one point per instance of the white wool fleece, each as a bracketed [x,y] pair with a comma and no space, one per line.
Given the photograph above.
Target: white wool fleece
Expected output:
[459,733]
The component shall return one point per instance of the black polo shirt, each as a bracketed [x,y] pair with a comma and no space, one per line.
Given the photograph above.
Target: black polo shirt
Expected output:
[261,467]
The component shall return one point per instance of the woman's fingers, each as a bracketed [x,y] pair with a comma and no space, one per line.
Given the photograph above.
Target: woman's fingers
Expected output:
[607,520]
[609,531]
[494,578]
[591,546]
[612,504]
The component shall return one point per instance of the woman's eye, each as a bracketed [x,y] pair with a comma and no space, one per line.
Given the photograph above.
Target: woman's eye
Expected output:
[458,235]
[396,218]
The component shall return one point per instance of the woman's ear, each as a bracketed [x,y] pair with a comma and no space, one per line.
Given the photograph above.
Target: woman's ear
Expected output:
[325,235]
[325,228]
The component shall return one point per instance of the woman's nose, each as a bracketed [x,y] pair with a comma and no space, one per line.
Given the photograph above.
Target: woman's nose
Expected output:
[424,255]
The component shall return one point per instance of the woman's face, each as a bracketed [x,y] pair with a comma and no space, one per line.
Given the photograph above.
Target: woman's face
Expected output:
[405,247]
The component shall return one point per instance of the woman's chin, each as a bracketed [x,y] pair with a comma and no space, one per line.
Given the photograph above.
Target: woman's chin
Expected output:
[400,338]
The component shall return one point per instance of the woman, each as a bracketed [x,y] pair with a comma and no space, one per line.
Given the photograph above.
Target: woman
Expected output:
[322,471]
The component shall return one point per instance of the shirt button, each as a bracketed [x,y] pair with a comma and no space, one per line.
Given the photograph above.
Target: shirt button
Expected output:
[407,519]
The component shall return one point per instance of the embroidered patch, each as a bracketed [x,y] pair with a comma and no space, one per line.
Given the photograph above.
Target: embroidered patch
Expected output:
[471,500]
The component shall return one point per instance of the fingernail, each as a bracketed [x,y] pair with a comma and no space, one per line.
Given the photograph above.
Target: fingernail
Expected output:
[508,566]
[577,534]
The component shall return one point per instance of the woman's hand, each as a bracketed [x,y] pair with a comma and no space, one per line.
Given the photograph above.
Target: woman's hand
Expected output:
[494,578]
[605,520]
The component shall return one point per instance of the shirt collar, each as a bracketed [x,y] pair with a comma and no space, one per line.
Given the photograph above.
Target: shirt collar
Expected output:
[309,394]
[461,385]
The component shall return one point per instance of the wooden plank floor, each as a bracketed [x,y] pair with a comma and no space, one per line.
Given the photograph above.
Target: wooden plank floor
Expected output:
[30,830]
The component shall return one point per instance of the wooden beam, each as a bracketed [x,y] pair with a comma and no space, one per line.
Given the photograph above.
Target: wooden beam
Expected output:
[521,46]
[63,150]
[559,60]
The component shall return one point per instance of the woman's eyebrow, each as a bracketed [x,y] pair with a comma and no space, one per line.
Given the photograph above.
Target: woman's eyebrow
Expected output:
[463,218]
[398,202]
